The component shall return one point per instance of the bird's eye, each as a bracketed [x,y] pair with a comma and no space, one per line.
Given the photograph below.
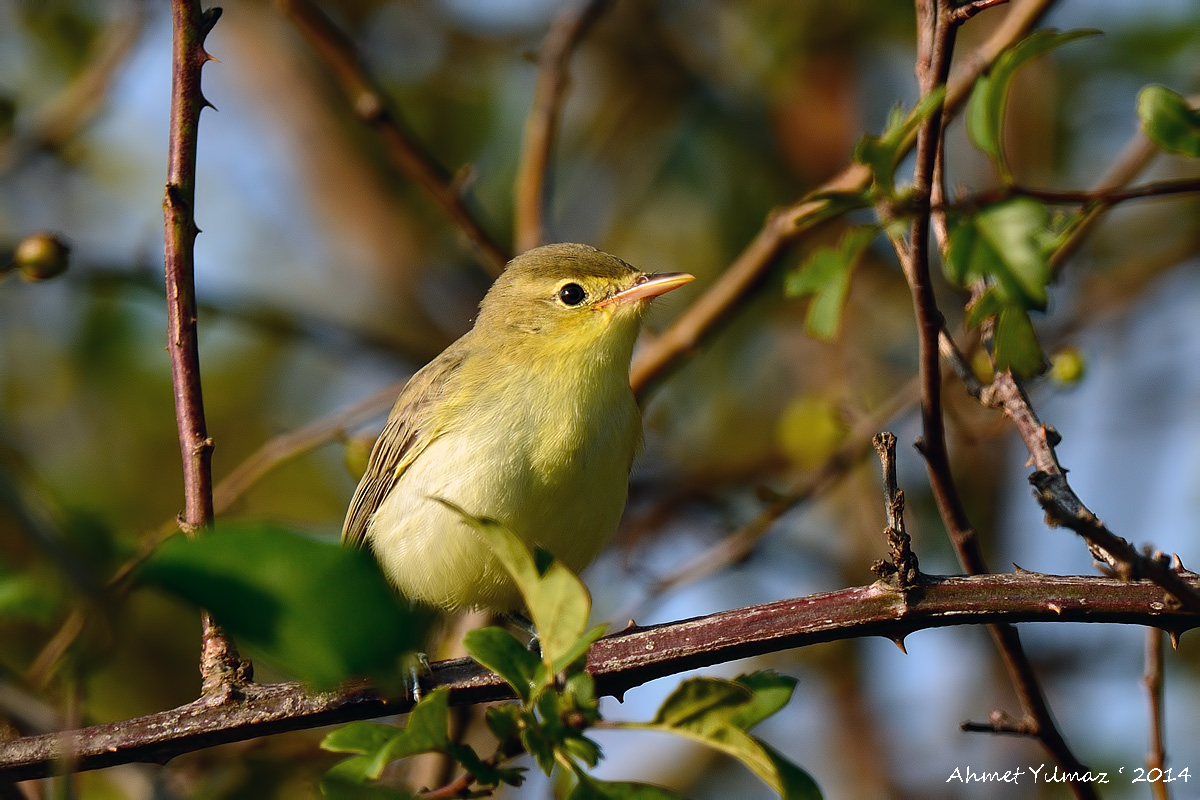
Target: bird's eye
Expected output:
[572,294]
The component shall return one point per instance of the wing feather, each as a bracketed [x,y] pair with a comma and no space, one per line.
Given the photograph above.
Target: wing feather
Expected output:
[408,431]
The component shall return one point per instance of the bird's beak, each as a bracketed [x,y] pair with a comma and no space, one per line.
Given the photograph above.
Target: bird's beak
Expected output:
[647,286]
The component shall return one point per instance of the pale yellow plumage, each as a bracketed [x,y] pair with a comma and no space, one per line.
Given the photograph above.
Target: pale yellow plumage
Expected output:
[528,419]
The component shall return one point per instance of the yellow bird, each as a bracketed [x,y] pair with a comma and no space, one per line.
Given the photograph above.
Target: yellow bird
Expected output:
[527,419]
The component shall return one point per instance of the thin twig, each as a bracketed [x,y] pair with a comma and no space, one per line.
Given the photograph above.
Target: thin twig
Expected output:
[1091,198]
[370,105]
[903,570]
[713,307]
[1156,758]
[220,667]
[627,659]
[541,127]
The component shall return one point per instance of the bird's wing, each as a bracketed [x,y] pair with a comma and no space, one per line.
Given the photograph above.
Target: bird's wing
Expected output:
[409,430]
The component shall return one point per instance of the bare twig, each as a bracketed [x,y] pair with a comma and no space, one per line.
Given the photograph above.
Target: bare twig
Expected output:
[903,569]
[1156,758]
[370,105]
[713,307]
[220,667]
[541,127]
[627,659]
[1101,199]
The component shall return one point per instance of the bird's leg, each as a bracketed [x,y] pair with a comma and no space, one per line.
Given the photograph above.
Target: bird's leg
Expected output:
[418,669]
[525,625]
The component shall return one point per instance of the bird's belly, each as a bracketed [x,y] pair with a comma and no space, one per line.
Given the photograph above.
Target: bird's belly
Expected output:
[566,499]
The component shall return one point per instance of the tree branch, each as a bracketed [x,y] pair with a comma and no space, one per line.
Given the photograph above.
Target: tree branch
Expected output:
[541,127]
[624,660]
[220,667]
[407,154]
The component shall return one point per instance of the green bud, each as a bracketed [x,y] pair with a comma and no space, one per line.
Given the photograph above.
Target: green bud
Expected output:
[1068,366]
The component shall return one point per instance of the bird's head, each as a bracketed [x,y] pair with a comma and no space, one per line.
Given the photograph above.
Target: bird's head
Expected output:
[571,297]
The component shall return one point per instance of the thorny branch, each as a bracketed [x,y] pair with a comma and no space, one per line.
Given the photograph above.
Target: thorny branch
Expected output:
[624,660]
[370,105]
[220,667]
[541,127]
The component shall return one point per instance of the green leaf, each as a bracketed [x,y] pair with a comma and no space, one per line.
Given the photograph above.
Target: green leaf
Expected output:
[988,304]
[702,702]
[883,153]
[557,600]
[504,721]
[985,109]
[499,651]
[797,784]
[347,780]
[359,737]
[1169,121]
[321,612]
[1015,345]
[769,693]
[588,788]
[712,711]
[826,276]
[1008,243]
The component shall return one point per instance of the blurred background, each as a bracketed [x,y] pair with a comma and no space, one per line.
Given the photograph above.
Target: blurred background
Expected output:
[324,276]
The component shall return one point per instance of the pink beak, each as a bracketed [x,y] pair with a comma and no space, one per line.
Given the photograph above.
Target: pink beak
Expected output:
[648,286]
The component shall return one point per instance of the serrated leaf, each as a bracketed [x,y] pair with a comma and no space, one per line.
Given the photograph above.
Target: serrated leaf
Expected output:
[826,276]
[985,109]
[557,600]
[1169,121]
[499,651]
[1015,344]
[1007,243]
[318,611]
[589,788]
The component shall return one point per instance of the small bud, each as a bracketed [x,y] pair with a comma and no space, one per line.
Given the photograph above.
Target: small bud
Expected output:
[41,256]
[1067,366]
